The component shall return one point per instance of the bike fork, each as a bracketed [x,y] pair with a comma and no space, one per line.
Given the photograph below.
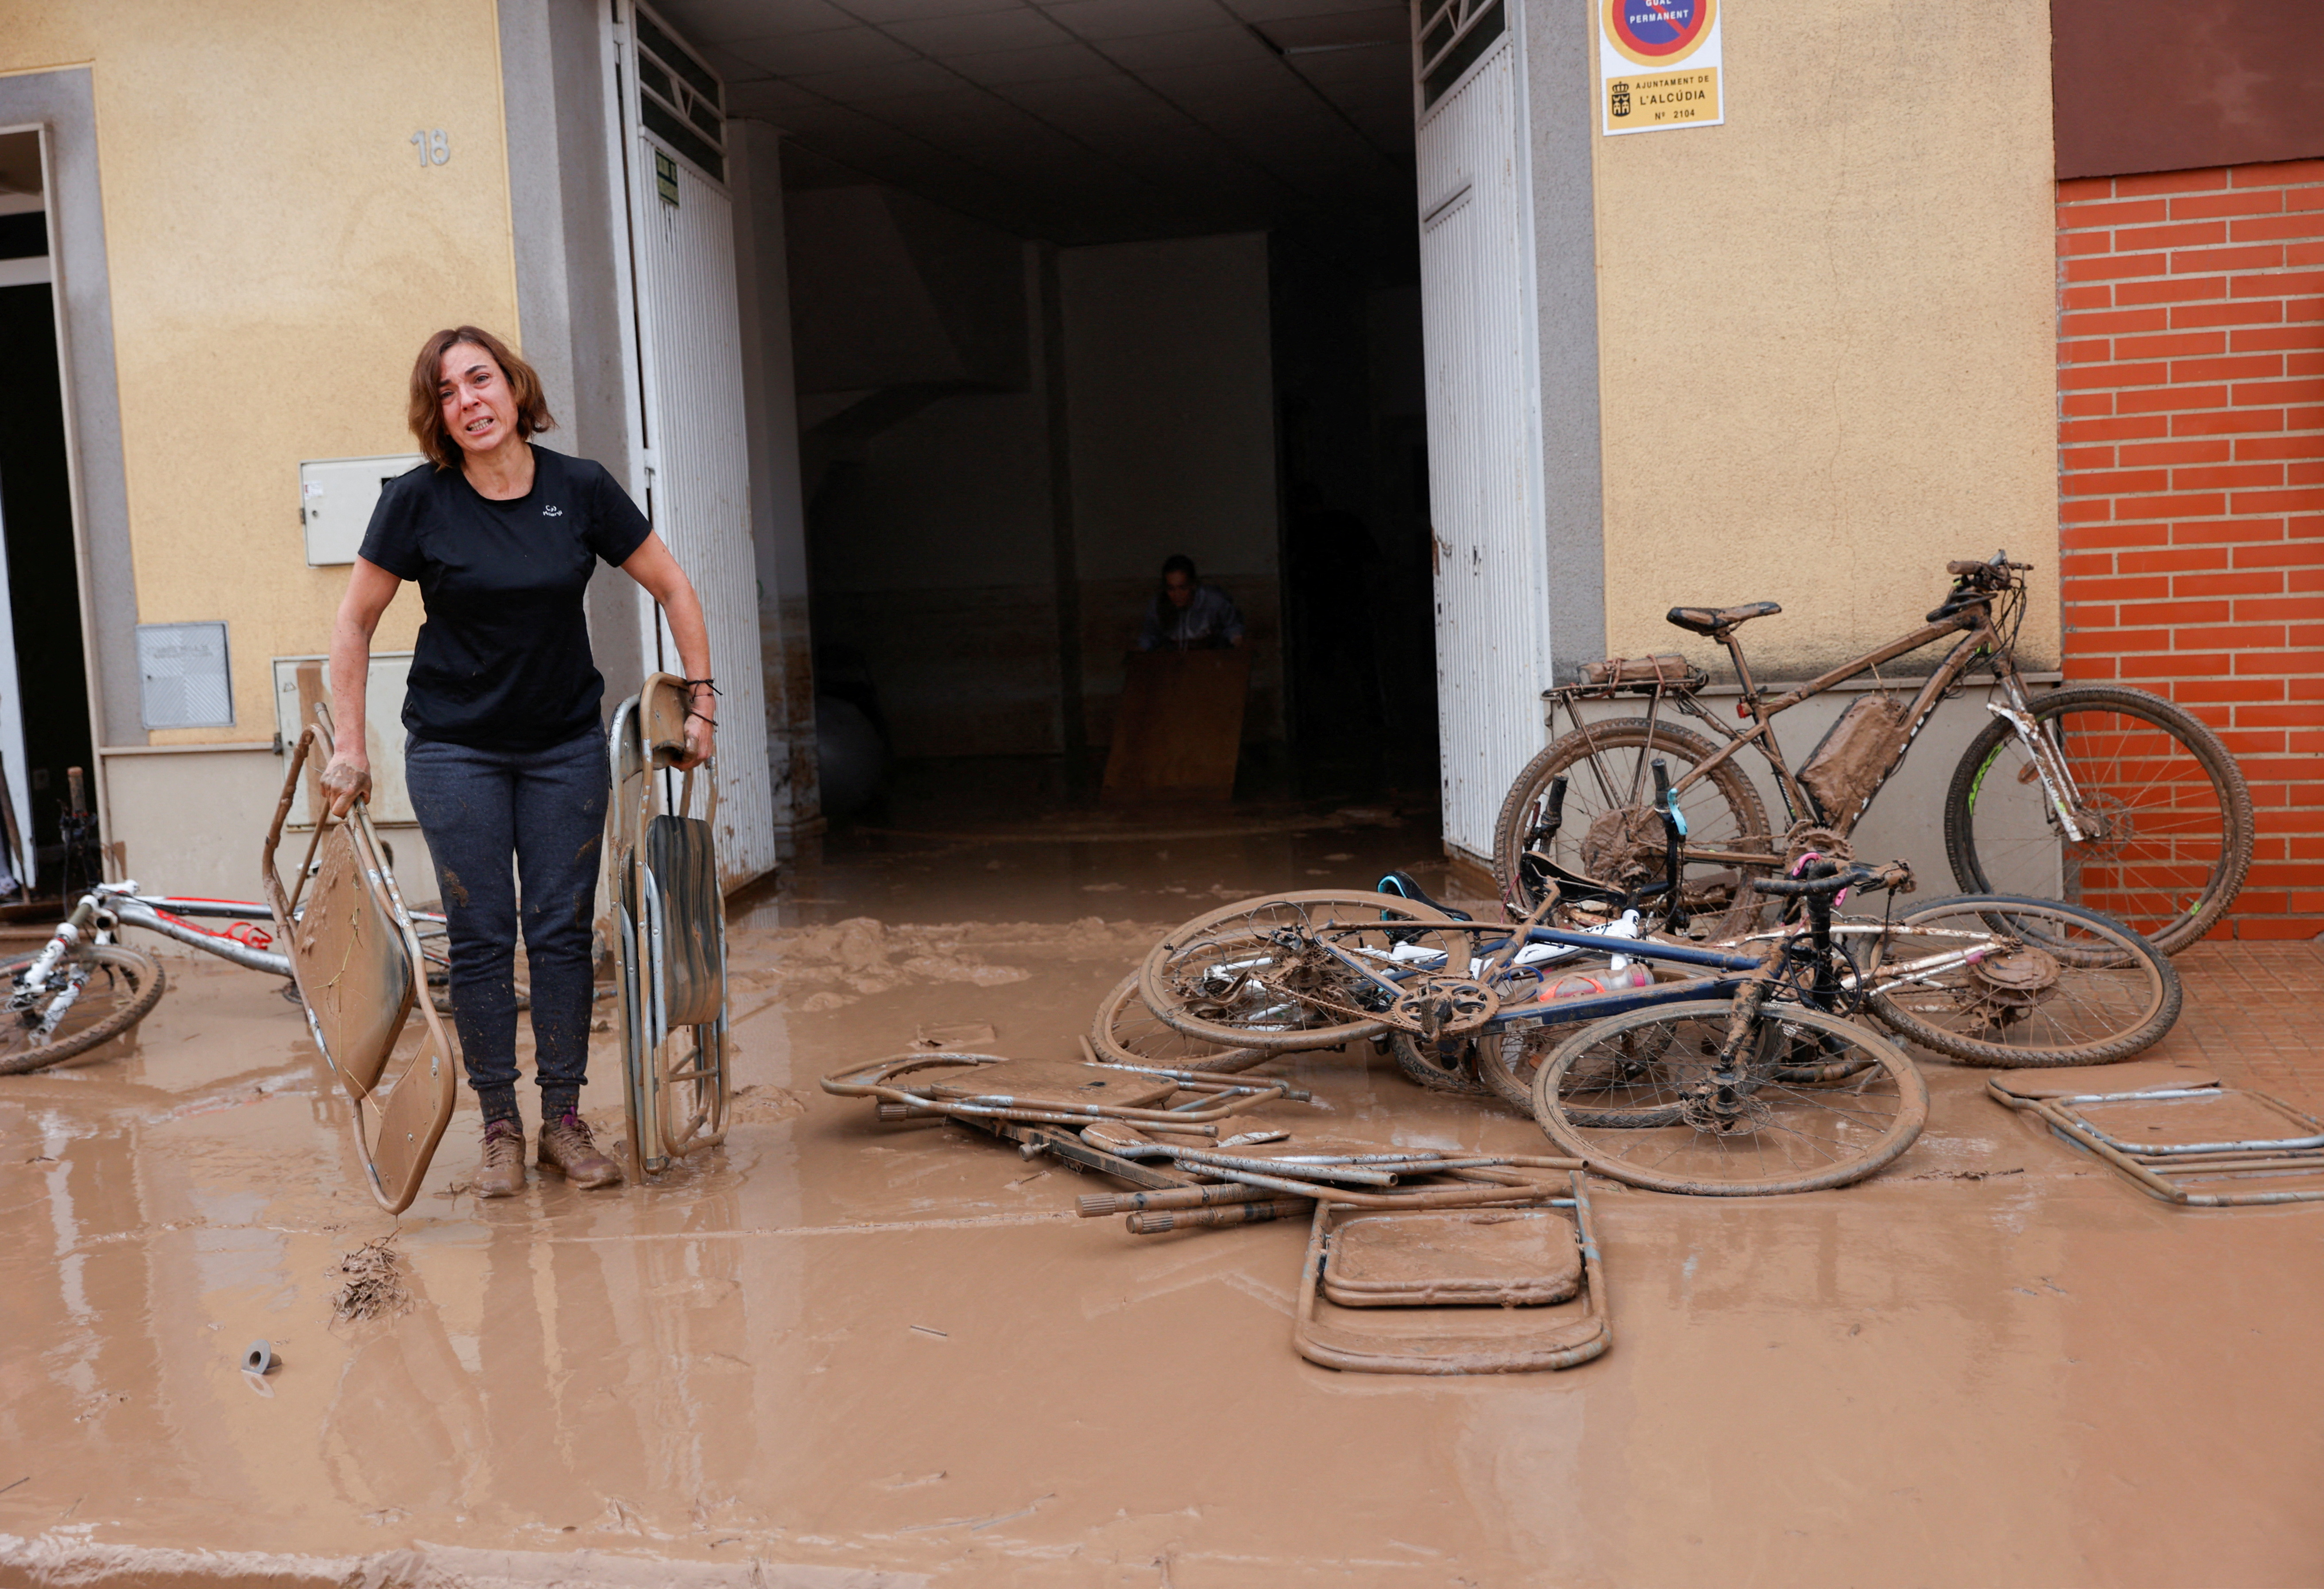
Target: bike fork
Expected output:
[2049,762]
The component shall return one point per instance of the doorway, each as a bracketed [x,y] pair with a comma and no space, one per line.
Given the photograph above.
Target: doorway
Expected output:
[44,705]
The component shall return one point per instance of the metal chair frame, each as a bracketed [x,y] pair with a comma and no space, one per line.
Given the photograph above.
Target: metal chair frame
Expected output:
[1454,1351]
[659,1066]
[398,1123]
[2164,1170]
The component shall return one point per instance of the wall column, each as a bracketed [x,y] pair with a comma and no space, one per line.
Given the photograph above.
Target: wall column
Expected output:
[778,512]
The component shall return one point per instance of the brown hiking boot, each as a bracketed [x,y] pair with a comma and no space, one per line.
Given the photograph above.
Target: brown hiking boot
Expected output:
[566,1148]
[501,1174]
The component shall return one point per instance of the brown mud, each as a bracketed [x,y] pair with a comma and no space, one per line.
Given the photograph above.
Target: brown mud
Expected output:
[838,1354]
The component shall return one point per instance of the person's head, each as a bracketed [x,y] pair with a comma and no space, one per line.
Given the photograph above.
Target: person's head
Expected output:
[1178,580]
[470,393]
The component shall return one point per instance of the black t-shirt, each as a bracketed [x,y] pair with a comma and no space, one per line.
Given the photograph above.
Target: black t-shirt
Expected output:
[503,661]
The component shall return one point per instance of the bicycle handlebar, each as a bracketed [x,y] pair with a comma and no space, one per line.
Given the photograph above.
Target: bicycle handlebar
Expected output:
[1857,877]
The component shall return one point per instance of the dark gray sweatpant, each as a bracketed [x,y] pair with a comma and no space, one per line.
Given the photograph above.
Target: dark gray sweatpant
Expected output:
[545,811]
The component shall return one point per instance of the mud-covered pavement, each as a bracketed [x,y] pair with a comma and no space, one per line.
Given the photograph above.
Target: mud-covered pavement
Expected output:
[840,1354]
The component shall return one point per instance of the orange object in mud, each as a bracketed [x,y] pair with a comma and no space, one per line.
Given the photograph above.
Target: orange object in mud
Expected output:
[1588,984]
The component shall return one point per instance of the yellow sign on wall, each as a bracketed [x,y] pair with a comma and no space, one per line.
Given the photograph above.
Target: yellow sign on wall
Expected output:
[1659,65]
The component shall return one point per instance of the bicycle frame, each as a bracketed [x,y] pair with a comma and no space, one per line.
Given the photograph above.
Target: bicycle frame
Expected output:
[1979,638]
[1499,959]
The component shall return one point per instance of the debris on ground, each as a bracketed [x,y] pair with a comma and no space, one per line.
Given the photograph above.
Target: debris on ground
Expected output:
[370,1283]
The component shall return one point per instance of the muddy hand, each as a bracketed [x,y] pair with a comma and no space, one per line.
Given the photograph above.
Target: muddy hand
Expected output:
[699,742]
[346,780]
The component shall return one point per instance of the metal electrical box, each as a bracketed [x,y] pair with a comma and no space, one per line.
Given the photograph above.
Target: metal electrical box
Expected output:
[336,498]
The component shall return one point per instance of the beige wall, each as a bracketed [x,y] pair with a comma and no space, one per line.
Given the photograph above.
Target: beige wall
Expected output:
[194,821]
[277,255]
[1826,331]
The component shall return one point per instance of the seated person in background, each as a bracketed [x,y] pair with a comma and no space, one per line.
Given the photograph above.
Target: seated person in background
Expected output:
[1188,615]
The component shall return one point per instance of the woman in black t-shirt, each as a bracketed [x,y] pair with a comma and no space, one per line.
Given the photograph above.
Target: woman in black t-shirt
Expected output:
[505,757]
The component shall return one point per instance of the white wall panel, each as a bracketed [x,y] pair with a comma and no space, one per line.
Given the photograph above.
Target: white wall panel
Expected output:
[1492,638]
[697,464]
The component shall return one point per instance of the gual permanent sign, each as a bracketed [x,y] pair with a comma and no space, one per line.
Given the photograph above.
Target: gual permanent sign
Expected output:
[1658,65]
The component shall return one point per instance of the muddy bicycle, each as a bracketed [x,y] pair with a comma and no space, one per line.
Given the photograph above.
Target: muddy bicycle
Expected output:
[85,986]
[2093,794]
[1482,1008]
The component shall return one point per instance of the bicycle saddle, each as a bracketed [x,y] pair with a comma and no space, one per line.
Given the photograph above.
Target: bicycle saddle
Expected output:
[1403,885]
[1715,621]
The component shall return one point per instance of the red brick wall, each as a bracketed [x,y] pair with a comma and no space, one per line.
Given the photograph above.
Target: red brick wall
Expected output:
[2191,471]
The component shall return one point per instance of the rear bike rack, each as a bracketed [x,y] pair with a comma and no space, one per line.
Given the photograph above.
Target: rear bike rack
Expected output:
[668,933]
[355,957]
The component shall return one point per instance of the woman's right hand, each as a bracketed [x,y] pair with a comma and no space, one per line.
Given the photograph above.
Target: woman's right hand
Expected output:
[347,780]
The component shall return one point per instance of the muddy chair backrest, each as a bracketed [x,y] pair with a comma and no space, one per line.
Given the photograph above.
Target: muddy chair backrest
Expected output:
[357,961]
[346,953]
[685,866]
[347,957]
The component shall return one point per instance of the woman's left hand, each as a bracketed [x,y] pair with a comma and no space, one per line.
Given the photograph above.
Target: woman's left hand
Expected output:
[700,741]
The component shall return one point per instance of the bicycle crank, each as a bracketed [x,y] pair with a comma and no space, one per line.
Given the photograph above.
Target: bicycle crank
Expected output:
[1444,1008]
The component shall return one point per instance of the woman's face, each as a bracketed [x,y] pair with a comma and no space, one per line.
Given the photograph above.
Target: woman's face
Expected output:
[478,408]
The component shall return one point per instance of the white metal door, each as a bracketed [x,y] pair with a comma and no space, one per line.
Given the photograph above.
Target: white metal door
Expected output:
[1491,552]
[689,365]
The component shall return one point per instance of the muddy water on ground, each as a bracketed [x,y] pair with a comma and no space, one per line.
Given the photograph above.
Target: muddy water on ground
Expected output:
[849,1345]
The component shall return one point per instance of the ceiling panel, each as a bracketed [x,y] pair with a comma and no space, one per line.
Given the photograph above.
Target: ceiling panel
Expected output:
[983,33]
[1089,121]
[721,22]
[1373,25]
[796,55]
[1131,19]
[868,84]
[768,98]
[882,12]
[1198,47]
[1033,66]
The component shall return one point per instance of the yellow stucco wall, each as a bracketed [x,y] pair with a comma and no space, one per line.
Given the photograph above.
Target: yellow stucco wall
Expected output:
[277,255]
[1827,332]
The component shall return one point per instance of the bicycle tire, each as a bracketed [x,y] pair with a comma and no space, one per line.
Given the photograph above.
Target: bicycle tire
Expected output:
[1460,1077]
[2138,891]
[1172,979]
[134,966]
[2127,988]
[1724,811]
[1126,1033]
[1820,1144]
[1512,1081]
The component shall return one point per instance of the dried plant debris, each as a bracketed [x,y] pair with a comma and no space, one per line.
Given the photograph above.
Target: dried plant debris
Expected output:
[370,1283]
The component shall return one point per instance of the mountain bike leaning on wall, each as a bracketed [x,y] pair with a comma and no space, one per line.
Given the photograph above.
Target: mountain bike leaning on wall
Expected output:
[2099,795]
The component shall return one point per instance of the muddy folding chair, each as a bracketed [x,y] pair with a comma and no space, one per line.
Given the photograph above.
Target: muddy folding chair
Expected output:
[355,958]
[985,1088]
[1533,1250]
[669,933]
[2176,1134]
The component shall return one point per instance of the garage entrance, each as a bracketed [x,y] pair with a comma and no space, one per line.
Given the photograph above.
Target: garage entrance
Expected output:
[1072,289]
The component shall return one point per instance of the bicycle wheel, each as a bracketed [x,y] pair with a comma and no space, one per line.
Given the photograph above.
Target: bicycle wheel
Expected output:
[1609,830]
[1508,1063]
[2050,985]
[1126,1033]
[1668,1126]
[1427,1068]
[2170,836]
[1268,973]
[117,986]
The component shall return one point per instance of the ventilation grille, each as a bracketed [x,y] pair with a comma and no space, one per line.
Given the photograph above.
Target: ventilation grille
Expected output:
[679,99]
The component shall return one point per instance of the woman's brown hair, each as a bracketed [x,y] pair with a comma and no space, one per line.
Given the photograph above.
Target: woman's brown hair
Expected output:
[427,415]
